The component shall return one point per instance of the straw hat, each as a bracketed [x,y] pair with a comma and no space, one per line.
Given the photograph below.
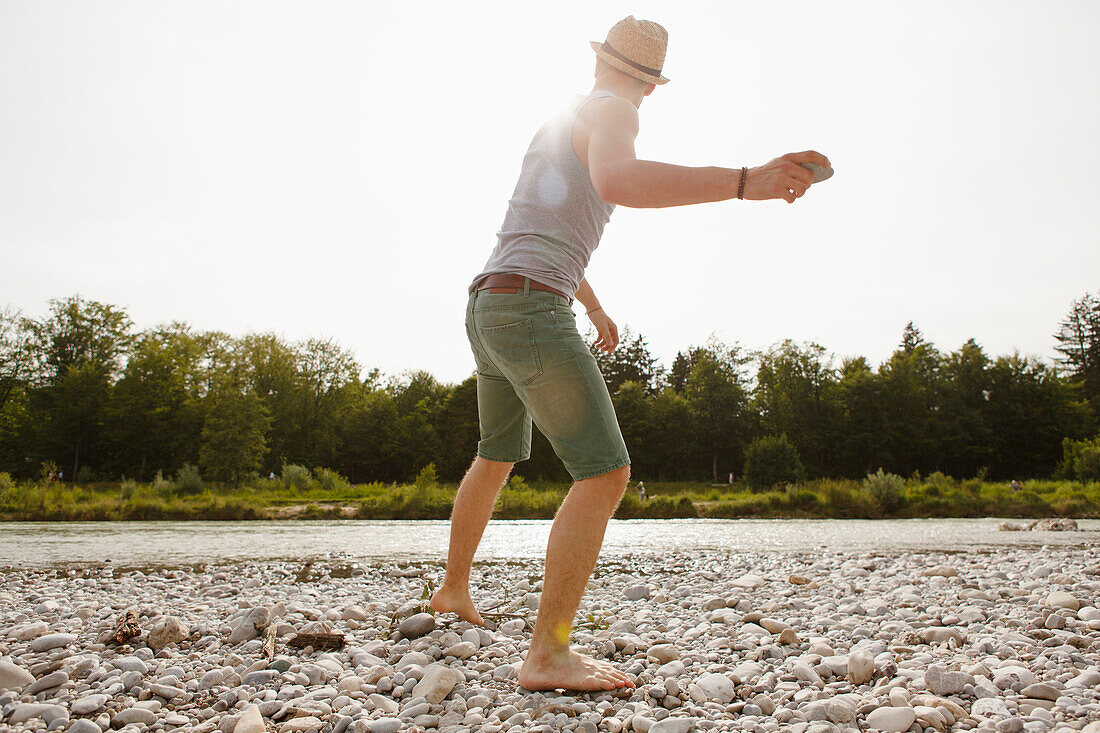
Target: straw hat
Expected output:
[635,47]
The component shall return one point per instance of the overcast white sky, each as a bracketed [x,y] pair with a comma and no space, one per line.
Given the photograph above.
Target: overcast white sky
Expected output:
[340,169]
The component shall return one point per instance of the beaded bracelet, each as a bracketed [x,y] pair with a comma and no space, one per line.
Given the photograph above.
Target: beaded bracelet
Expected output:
[741,187]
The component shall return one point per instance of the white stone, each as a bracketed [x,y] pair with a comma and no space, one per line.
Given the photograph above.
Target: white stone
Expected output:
[663,653]
[250,721]
[861,667]
[14,677]
[436,684]
[749,581]
[88,704]
[713,687]
[891,720]
[990,706]
[674,725]
[169,630]
[1061,599]
[943,682]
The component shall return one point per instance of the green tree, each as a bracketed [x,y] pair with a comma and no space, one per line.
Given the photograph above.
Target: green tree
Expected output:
[631,361]
[1030,411]
[796,396]
[1078,339]
[16,355]
[861,420]
[234,435]
[155,409]
[715,392]
[79,347]
[959,421]
[771,461]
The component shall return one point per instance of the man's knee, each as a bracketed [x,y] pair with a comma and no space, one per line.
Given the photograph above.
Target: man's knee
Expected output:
[613,481]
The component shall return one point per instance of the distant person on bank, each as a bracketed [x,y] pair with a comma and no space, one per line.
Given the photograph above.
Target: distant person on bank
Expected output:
[532,364]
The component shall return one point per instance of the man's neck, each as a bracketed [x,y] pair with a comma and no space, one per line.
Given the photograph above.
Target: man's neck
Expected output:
[627,91]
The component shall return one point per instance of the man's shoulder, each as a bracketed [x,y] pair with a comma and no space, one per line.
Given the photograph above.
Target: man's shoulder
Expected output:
[610,112]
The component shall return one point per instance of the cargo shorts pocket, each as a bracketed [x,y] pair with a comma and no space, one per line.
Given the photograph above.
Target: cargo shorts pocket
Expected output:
[512,348]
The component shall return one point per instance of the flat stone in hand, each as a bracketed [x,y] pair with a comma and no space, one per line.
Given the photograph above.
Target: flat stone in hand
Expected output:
[821,173]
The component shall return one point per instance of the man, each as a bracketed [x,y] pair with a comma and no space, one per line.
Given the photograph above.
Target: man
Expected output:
[531,361]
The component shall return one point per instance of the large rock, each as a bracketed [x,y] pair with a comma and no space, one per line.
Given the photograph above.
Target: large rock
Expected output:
[417,625]
[1041,691]
[748,581]
[861,667]
[28,710]
[89,704]
[1061,599]
[52,641]
[305,724]
[461,650]
[50,681]
[943,682]
[891,720]
[133,715]
[663,653]
[943,571]
[250,721]
[436,684]
[251,625]
[83,725]
[988,707]
[14,677]
[713,687]
[636,593]
[385,725]
[169,630]
[1054,524]
[674,725]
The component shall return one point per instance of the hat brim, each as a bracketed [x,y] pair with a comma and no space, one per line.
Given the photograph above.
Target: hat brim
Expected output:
[624,67]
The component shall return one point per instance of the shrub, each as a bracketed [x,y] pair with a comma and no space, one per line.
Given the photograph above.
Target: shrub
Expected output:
[296,478]
[5,481]
[85,475]
[885,488]
[771,461]
[161,484]
[329,480]
[188,480]
[1086,464]
[427,478]
[127,488]
[799,498]
[517,484]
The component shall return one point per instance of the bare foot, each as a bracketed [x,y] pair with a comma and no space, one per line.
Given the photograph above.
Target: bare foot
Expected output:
[573,672]
[447,599]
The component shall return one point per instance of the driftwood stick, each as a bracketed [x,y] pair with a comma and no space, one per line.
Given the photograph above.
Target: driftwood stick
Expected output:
[317,641]
[269,641]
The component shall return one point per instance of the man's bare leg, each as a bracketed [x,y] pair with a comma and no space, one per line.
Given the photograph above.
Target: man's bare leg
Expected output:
[473,507]
[571,553]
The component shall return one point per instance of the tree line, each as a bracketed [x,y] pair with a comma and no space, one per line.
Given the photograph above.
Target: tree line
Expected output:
[84,392]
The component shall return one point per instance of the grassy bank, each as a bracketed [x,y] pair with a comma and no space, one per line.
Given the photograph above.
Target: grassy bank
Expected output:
[936,496]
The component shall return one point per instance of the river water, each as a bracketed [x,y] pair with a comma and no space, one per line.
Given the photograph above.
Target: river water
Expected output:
[45,544]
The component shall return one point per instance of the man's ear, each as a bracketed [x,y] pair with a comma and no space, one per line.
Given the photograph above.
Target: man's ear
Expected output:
[649,90]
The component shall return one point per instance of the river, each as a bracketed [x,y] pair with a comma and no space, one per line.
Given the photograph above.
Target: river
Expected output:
[46,544]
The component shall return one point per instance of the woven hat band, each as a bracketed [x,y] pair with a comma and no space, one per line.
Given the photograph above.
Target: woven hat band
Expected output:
[645,69]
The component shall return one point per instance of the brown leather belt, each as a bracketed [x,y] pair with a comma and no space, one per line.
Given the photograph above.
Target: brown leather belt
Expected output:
[512,283]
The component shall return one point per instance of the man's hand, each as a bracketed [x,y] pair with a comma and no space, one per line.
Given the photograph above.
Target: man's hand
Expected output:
[606,329]
[783,178]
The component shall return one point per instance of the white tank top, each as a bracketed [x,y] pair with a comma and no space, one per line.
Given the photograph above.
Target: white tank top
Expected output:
[555,218]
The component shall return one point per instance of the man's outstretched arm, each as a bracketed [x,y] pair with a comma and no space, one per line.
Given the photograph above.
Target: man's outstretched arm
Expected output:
[620,178]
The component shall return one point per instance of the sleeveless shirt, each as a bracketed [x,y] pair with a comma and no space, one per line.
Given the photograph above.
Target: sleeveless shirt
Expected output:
[555,218]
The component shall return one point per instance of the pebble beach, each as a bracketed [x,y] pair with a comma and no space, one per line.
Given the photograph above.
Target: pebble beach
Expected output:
[1006,640]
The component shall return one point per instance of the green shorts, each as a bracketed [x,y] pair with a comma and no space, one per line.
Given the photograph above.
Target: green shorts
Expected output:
[532,365]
